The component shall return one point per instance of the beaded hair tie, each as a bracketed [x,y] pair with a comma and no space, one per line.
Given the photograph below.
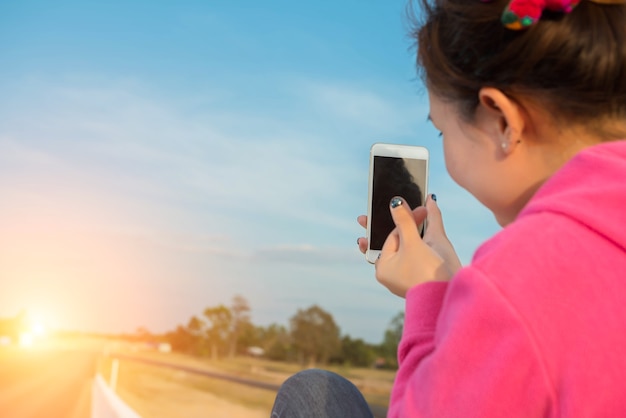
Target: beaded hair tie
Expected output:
[521,14]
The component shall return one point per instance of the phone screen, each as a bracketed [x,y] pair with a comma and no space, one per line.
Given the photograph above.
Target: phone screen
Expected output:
[394,176]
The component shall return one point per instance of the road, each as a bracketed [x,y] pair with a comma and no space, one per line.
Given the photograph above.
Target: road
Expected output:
[54,380]
[48,381]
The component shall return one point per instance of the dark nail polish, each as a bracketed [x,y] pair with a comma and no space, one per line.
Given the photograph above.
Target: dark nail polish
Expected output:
[433,197]
[395,202]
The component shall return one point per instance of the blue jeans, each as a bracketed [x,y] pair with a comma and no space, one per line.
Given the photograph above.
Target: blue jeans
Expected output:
[318,393]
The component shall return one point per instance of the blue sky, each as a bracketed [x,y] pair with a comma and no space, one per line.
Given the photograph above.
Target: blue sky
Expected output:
[160,157]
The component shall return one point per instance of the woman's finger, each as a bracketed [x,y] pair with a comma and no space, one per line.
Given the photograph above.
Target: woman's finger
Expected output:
[434,220]
[436,238]
[406,220]
[362,243]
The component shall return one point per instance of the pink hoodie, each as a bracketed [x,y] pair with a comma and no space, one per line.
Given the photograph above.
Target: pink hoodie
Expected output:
[535,326]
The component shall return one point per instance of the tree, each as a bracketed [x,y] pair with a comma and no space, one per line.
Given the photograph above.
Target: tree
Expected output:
[250,336]
[355,353]
[315,335]
[197,333]
[143,334]
[195,326]
[276,342]
[218,328]
[393,334]
[182,340]
[240,321]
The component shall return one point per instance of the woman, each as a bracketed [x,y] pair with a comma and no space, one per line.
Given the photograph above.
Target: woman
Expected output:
[530,98]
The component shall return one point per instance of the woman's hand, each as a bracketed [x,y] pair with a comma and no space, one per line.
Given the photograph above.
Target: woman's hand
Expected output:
[406,260]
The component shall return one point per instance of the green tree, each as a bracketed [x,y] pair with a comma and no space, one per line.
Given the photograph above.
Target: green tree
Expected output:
[240,321]
[356,353]
[250,336]
[315,335]
[276,342]
[195,325]
[393,334]
[196,328]
[218,327]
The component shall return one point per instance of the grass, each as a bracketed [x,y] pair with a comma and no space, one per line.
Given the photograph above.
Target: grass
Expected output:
[152,391]
[374,384]
[140,384]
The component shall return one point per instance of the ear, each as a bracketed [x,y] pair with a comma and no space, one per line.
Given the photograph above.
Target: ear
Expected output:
[505,117]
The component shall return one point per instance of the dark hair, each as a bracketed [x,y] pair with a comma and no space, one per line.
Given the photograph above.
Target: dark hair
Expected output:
[574,63]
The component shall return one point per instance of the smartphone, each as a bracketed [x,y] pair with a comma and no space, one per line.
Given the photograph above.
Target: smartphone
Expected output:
[395,170]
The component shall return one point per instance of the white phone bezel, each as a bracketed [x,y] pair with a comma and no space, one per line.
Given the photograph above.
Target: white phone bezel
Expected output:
[390,150]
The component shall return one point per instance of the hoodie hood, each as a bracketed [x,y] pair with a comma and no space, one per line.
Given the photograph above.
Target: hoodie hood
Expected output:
[591,189]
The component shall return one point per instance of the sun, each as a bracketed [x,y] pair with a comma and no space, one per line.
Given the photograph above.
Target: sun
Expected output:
[38,328]
[33,327]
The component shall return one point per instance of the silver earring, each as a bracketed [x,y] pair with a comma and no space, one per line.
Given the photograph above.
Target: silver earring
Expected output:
[505,146]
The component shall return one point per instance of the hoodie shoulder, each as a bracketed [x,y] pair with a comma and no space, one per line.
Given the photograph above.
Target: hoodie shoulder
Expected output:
[590,190]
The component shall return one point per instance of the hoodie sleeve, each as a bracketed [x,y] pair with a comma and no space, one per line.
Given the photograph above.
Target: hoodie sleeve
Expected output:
[466,352]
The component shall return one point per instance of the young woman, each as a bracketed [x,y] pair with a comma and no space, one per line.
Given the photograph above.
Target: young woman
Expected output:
[530,98]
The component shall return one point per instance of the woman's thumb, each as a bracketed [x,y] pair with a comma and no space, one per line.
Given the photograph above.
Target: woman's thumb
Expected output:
[406,221]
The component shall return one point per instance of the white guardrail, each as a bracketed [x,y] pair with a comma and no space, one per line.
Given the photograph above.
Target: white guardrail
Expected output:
[106,404]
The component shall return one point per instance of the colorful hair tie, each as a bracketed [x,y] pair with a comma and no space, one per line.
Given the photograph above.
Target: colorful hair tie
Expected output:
[521,14]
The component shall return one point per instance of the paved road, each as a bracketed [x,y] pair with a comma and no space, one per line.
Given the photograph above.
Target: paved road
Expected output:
[52,381]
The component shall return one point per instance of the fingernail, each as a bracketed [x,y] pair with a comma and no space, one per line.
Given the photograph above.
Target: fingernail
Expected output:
[395,202]
[358,241]
[433,197]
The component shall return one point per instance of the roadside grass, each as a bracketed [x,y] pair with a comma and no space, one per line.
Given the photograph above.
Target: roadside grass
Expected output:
[134,377]
[374,384]
[154,391]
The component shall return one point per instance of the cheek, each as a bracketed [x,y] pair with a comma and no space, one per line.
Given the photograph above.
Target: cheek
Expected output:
[453,162]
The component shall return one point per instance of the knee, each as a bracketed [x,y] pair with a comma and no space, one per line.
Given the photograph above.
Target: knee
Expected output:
[318,384]
[308,379]
[319,393]
[312,377]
